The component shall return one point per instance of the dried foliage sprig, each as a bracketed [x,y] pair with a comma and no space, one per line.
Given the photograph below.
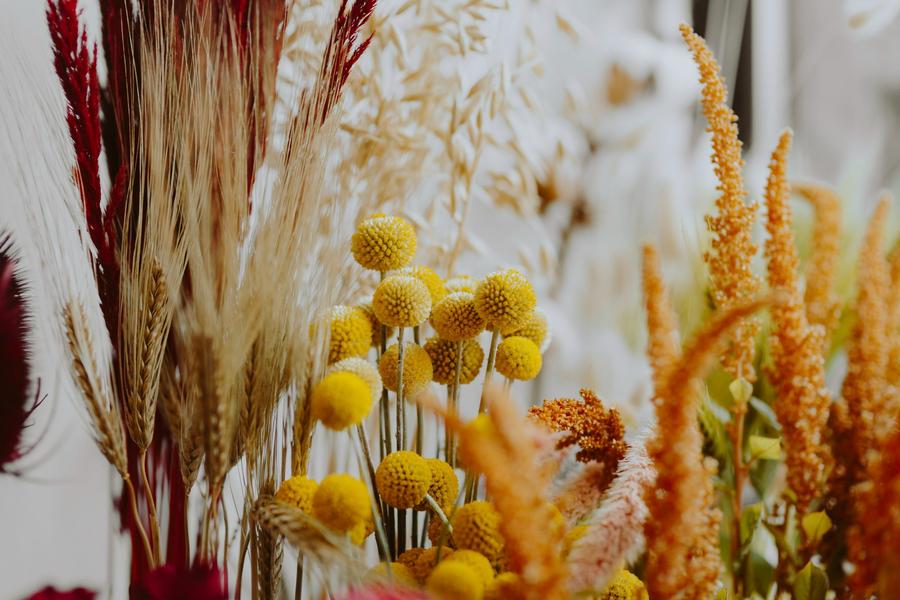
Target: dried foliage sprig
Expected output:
[615,535]
[798,370]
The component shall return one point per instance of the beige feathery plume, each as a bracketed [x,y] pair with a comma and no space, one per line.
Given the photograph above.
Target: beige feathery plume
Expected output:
[615,535]
[731,256]
[502,446]
[823,307]
[798,370]
[682,531]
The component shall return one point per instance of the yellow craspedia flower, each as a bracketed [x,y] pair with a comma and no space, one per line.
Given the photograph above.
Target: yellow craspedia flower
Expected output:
[384,243]
[364,370]
[376,324]
[505,585]
[402,479]
[400,573]
[505,299]
[443,360]
[625,585]
[461,283]
[417,368]
[409,558]
[518,358]
[340,400]
[437,531]
[455,581]
[444,485]
[427,560]
[351,333]
[476,526]
[401,301]
[535,328]
[432,281]
[478,562]
[455,318]
[341,502]
[298,491]
[359,532]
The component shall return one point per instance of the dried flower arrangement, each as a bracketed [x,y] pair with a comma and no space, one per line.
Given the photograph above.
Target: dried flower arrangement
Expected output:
[220,319]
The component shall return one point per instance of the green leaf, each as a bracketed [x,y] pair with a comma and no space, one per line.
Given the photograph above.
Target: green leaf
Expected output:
[722,594]
[811,583]
[766,412]
[749,521]
[764,448]
[815,525]
[712,420]
[741,390]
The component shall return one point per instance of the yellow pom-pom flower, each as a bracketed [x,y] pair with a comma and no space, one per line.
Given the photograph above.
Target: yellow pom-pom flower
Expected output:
[351,333]
[476,526]
[341,502]
[478,562]
[432,281]
[625,585]
[461,283]
[376,325]
[340,400]
[444,485]
[443,360]
[535,329]
[505,300]
[427,560]
[401,301]
[505,585]
[437,532]
[400,574]
[402,479]
[455,318]
[417,368]
[455,581]
[364,370]
[409,558]
[384,243]
[518,358]
[298,492]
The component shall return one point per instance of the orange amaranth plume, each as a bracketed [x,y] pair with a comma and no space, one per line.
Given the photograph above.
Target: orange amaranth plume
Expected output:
[798,370]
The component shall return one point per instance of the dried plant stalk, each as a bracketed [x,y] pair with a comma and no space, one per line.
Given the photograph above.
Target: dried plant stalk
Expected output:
[663,345]
[798,370]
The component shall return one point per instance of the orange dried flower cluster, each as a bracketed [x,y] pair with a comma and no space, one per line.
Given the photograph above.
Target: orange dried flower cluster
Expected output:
[663,346]
[798,372]
[823,307]
[598,431]
[730,260]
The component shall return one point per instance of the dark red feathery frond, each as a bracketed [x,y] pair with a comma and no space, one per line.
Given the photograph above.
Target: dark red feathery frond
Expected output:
[169,582]
[51,593]
[16,403]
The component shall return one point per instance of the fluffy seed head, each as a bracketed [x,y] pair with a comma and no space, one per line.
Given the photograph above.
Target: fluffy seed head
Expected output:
[505,299]
[341,502]
[456,318]
[478,562]
[298,491]
[351,333]
[455,581]
[535,329]
[340,400]
[402,479]
[518,358]
[476,526]
[417,368]
[384,243]
[432,281]
[401,301]
[362,368]
[443,360]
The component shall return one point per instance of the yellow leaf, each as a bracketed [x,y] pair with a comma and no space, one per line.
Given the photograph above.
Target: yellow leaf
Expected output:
[764,448]
[815,526]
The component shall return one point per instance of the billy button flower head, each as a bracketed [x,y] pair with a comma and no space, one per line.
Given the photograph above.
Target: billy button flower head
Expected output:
[401,301]
[341,399]
[402,479]
[298,491]
[444,484]
[341,503]
[376,324]
[426,561]
[535,329]
[625,585]
[364,369]
[384,243]
[478,562]
[504,585]
[455,581]
[443,355]
[400,573]
[417,368]
[432,281]
[461,283]
[351,333]
[505,300]
[476,526]
[518,358]
[456,318]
